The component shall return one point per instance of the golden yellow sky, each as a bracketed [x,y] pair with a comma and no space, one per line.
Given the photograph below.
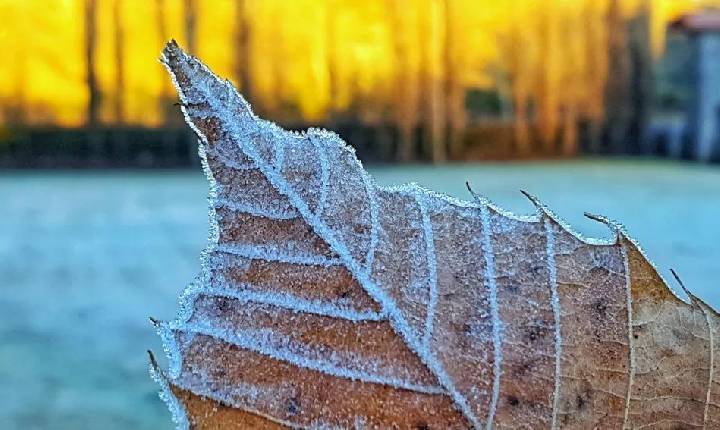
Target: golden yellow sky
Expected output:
[296,45]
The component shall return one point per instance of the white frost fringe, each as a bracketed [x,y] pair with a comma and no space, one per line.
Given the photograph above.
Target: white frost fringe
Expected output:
[179,416]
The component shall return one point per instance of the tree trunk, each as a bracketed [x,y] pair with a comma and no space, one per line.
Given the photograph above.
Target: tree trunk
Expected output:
[190,24]
[617,103]
[405,101]
[16,111]
[521,127]
[168,112]
[569,131]
[596,71]
[548,91]
[454,91]
[242,35]
[119,39]
[93,107]
[641,79]
[519,74]
[432,73]
[331,62]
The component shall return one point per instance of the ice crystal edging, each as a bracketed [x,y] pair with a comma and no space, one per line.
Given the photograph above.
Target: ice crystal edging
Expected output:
[186,309]
[188,295]
[177,411]
[288,353]
[171,348]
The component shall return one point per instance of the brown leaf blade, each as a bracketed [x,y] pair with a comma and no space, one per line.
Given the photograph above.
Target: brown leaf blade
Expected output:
[328,301]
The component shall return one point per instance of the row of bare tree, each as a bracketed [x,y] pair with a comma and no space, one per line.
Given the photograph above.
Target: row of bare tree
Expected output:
[95,94]
[434,97]
[603,83]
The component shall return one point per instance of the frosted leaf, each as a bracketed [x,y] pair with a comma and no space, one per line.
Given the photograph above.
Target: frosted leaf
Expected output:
[326,301]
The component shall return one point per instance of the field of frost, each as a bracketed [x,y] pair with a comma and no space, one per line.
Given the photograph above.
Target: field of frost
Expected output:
[87,257]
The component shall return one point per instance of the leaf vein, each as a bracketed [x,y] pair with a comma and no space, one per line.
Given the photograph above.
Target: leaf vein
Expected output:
[431,261]
[266,253]
[631,345]
[555,301]
[491,285]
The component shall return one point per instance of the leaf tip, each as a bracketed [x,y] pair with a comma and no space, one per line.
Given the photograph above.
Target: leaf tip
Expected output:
[542,210]
[469,188]
[694,300]
[172,47]
[613,225]
[480,199]
[534,200]
[153,361]
[172,55]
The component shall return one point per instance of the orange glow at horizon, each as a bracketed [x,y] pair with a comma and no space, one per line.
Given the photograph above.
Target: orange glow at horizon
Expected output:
[309,57]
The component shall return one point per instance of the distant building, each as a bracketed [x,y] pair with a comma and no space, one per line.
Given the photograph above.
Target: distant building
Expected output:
[703,122]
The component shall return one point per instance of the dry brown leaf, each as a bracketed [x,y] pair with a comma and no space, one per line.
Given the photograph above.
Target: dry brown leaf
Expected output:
[326,301]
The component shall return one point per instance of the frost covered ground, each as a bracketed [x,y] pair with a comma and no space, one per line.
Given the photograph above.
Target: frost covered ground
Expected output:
[86,257]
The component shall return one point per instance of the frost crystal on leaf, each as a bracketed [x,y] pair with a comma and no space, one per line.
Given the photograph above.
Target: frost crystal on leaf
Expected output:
[326,301]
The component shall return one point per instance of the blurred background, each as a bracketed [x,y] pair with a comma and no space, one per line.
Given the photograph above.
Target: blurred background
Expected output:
[606,106]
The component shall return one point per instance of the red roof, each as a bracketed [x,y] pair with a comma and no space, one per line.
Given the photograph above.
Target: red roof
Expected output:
[702,21]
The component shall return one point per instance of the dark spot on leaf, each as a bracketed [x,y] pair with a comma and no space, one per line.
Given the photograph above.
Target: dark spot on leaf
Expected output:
[598,272]
[601,307]
[580,402]
[210,127]
[462,337]
[538,270]
[524,367]
[223,305]
[535,332]
[293,406]
[513,289]
[467,329]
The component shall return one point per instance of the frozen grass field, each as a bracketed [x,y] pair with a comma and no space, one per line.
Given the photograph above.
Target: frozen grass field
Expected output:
[86,257]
